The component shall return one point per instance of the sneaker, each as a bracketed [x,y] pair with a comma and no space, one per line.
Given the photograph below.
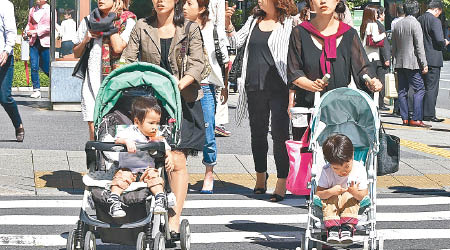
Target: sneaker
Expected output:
[159,204]
[346,234]
[36,94]
[115,210]
[221,131]
[333,235]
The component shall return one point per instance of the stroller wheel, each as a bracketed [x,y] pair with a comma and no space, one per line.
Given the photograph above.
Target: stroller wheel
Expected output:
[160,242]
[185,235]
[89,241]
[71,241]
[142,242]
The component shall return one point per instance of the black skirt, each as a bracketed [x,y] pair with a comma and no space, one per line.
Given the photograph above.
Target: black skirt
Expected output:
[192,128]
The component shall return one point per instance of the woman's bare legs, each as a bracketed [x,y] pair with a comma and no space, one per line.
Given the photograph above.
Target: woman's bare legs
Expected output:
[179,184]
[91,130]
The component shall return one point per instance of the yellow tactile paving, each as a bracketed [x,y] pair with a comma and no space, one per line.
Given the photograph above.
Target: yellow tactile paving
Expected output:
[387,181]
[398,126]
[425,148]
[441,179]
[417,182]
[65,179]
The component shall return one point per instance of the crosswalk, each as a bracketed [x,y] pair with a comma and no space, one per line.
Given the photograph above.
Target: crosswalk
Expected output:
[239,221]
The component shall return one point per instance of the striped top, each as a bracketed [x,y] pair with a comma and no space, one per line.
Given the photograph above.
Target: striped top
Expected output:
[278,44]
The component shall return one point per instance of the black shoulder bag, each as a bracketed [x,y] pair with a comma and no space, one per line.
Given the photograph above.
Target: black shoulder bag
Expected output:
[388,157]
[236,68]
[218,52]
[81,67]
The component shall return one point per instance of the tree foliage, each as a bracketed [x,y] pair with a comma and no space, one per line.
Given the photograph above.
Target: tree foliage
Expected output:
[21,13]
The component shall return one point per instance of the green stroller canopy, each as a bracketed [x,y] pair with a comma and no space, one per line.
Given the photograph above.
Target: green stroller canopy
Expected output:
[135,75]
[349,112]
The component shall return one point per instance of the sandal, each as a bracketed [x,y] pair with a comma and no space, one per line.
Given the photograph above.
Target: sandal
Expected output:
[20,134]
[276,198]
[262,190]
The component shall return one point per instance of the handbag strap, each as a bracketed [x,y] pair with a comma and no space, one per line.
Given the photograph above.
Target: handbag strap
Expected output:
[184,47]
[217,50]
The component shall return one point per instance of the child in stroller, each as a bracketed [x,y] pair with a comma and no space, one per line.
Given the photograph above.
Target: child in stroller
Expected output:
[342,185]
[139,166]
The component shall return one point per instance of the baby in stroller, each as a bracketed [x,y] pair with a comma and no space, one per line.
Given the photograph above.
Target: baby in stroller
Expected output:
[342,185]
[139,166]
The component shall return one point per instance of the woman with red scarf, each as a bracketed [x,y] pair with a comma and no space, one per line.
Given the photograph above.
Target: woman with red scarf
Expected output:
[106,32]
[340,51]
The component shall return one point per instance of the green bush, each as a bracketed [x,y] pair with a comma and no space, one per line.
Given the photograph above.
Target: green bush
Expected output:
[20,78]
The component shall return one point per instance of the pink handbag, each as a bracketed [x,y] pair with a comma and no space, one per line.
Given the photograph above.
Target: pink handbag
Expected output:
[300,161]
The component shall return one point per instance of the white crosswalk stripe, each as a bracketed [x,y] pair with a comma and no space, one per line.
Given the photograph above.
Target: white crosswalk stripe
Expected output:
[228,219]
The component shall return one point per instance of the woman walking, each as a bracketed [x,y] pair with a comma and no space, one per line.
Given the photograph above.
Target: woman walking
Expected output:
[198,11]
[371,30]
[107,37]
[38,34]
[339,49]
[263,85]
[159,39]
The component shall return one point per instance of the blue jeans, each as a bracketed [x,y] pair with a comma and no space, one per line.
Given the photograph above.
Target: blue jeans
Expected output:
[410,78]
[39,58]
[209,105]
[6,100]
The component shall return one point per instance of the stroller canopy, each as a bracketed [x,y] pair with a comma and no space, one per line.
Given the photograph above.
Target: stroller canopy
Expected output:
[349,112]
[135,75]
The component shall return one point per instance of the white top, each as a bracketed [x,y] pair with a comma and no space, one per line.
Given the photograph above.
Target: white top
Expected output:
[373,52]
[68,30]
[94,67]
[328,178]
[216,18]
[8,28]
[139,161]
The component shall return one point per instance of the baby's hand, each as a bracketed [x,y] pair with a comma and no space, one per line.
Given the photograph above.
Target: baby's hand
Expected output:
[338,189]
[131,146]
[353,187]
[169,162]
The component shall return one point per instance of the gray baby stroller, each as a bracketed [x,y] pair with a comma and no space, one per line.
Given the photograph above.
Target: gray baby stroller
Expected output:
[354,114]
[140,227]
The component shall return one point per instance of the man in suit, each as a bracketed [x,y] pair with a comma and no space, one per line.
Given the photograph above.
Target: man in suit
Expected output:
[385,57]
[407,37]
[434,43]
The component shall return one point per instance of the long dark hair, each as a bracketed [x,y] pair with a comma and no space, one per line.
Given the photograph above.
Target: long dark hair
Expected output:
[178,17]
[369,16]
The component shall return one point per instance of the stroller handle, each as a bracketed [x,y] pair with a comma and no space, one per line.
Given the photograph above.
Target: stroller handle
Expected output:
[113,147]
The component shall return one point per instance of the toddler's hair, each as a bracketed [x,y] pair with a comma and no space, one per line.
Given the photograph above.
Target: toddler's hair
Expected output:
[142,104]
[338,149]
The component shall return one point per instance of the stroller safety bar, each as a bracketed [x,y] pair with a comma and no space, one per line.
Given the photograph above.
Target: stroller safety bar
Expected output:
[111,146]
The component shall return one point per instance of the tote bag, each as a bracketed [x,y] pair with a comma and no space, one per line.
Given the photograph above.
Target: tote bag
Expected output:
[388,157]
[300,162]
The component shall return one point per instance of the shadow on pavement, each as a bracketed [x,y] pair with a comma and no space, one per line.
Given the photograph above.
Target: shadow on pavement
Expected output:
[63,180]
[222,187]
[419,191]
[8,141]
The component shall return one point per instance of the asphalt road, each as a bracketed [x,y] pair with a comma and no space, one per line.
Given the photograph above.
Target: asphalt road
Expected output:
[236,221]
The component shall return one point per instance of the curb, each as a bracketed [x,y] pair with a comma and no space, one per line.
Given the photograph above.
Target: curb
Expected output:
[27,89]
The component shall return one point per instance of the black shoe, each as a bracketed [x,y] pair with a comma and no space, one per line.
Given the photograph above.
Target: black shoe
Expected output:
[383,108]
[433,119]
[174,236]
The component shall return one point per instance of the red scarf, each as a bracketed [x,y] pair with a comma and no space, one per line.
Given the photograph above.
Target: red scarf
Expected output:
[329,44]
[110,60]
